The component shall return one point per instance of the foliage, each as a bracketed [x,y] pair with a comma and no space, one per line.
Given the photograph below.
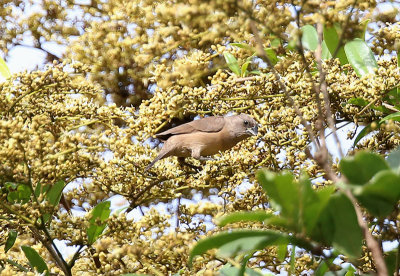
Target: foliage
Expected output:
[67,149]
[316,219]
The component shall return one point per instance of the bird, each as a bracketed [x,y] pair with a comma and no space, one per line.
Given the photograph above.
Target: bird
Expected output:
[205,137]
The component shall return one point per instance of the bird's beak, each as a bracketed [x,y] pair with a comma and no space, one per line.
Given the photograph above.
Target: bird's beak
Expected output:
[253,130]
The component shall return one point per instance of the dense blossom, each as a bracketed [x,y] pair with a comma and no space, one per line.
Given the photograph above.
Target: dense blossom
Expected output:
[163,63]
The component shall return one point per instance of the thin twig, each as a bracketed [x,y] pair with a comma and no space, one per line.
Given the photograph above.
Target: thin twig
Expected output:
[323,87]
[372,244]
[264,57]
[340,43]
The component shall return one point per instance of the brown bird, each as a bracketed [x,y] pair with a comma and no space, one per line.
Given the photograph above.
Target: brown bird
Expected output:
[205,137]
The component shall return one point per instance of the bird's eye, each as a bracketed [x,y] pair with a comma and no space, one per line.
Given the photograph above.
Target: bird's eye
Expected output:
[246,123]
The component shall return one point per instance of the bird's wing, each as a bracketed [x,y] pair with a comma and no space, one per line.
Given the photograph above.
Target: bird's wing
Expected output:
[208,124]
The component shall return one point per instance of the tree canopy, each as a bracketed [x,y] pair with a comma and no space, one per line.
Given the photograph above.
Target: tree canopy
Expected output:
[80,130]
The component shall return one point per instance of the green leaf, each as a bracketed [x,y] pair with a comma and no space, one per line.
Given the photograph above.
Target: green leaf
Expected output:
[347,235]
[361,102]
[100,214]
[393,159]
[246,244]
[22,194]
[331,39]
[10,185]
[364,25]
[283,193]
[281,251]
[393,98]
[38,189]
[243,71]
[366,130]
[12,236]
[271,55]
[398,58]
[325,51]
[243,240]
[313,202]
[359,169]
[350,271]
[360,56]
[381,194]
[393,117]
[275,43]
[35,261]
[4,70]
[292,43]
[309,38]
[180,272]
[243,46]
[322,269]
[255,72]
[54,194]
[390,260]
[257,216]
[232,63]
[229,270]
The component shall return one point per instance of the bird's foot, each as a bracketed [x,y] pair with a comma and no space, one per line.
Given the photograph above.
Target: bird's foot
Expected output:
[182,161]
[202,158]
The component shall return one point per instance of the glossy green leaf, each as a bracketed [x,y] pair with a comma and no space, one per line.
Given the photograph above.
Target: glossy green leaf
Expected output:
[243,46]
[360,56]
[21,195]
[246,244]
[243,240]
[38,189]
[347,234]
[54,194]
[364,25]
[359,169]
[393,117]
[381,194]
[275,43]
[398,58]
[309,38]
[243,70]
[390,260]
[256,216]
[229,270]
[4,70]
[393,159]
[326,54]
[282,192]
[292,44]
[313,202]
[10,185]
[35,261]
[99,215]
[393,98]
[232,63]
[331,39]
[361,102]
[12,236]
[255,72]
[271,55]
[281,251]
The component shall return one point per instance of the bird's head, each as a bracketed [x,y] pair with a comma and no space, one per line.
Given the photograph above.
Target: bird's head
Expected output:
[244,125]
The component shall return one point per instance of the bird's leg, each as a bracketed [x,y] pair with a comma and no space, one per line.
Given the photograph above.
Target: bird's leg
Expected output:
[203,158]
[196,153]
[182,161]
